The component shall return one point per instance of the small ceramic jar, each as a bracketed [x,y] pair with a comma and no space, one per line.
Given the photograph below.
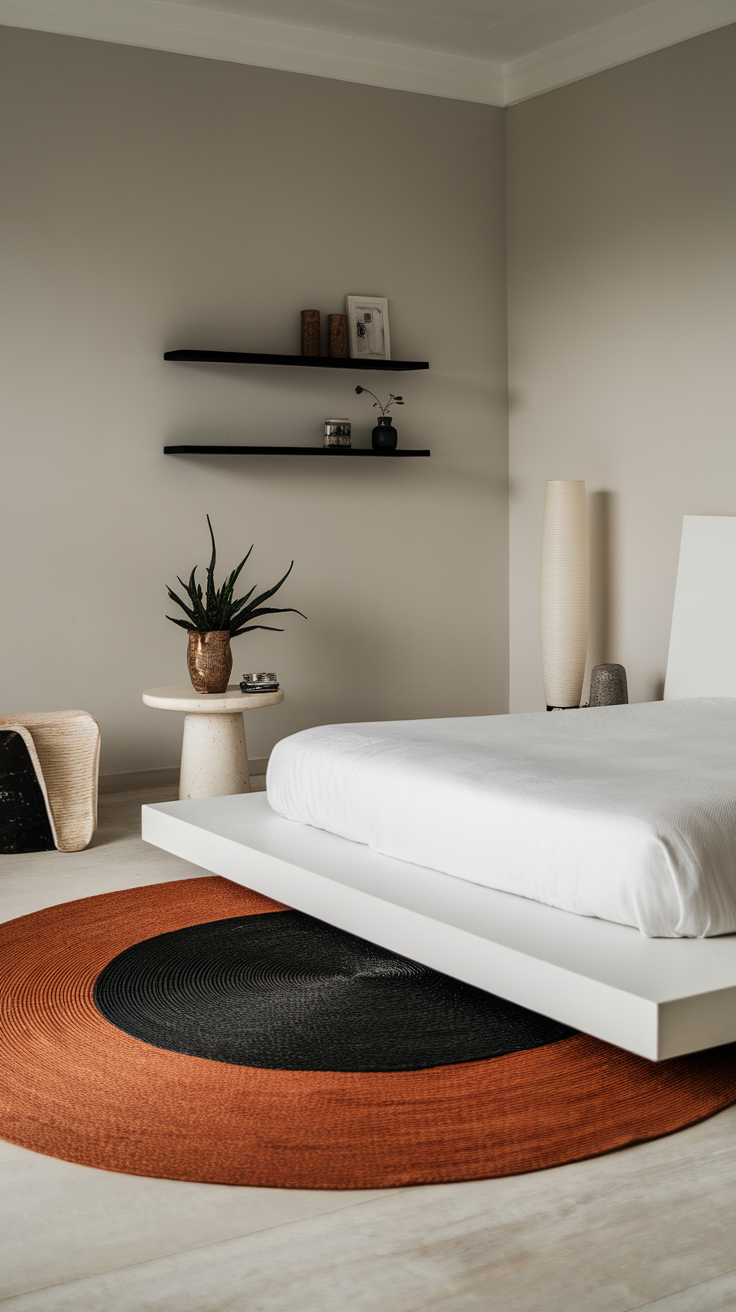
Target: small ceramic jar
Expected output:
[338,432]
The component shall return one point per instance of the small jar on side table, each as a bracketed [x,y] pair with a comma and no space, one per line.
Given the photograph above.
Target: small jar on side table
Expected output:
[214,756]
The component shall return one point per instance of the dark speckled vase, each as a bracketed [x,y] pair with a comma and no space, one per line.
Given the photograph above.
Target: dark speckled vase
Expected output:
[384,436]
[608,686]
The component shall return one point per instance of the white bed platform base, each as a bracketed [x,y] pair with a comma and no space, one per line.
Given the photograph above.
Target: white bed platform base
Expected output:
[656,997]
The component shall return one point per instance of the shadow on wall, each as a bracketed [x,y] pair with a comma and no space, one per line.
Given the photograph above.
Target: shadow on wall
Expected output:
[603,521]
[605,594]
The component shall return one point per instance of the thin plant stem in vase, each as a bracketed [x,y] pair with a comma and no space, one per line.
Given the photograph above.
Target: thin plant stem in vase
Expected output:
[215,616]
[384,436]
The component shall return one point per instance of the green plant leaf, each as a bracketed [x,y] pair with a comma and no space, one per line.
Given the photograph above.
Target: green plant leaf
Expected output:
[265,595]
[189,588]
[236,605]
[195,592]
[236,572]
[275,610]
[250,629]
[179,602]
[182,623]
[226,607]
[211,594]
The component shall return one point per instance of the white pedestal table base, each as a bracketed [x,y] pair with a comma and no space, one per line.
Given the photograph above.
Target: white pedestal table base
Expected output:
[214,757]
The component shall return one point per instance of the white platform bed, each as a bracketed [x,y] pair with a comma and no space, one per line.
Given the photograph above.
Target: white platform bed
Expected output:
[657,997]
[626,813]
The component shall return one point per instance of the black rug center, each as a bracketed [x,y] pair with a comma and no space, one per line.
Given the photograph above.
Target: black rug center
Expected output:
[287,992]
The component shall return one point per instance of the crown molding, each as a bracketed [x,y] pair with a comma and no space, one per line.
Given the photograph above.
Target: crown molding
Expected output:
[188,30]
[215,34]
[654,26]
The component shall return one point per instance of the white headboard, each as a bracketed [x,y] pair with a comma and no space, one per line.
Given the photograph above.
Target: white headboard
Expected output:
[702,656]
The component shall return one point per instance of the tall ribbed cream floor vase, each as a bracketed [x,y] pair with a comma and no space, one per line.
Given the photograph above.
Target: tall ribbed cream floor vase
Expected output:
[563,592]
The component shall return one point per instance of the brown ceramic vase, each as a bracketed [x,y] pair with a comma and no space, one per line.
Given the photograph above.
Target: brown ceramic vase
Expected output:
[209,659]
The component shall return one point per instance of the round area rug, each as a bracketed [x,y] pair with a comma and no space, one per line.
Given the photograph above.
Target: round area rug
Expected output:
[198,1031]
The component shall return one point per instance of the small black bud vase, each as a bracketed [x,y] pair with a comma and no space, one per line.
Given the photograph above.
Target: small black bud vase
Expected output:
[384,436]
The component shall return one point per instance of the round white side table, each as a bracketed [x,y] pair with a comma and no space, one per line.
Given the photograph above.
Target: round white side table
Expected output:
[214,758]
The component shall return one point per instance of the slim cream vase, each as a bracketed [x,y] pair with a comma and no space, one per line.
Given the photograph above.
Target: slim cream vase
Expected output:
[563,592]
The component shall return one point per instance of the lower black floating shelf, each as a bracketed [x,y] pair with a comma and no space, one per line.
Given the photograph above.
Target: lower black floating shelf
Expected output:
[336,452]
[301,361]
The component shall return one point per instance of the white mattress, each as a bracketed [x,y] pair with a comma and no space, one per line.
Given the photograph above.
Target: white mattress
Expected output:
[627,813]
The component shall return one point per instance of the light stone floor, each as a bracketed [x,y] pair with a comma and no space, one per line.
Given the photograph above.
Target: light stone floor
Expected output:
[651,1227]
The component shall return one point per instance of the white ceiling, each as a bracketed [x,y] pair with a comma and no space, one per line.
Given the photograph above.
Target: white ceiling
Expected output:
[493,51]
[499,30]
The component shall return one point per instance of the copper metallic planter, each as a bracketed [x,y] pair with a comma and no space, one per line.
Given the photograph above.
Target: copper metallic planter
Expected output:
[209,659]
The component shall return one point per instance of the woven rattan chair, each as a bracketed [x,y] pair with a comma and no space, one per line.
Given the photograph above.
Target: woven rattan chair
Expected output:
[67,747]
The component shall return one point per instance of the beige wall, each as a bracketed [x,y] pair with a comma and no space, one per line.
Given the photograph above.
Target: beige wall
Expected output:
[155,201]
[622,303]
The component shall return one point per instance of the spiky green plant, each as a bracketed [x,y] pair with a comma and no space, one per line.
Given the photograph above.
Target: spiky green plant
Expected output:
[216,610]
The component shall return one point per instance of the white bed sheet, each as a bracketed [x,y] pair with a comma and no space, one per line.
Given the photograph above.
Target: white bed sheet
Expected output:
[627,813]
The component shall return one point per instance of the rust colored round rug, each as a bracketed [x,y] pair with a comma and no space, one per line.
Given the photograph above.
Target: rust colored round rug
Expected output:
[139,1094]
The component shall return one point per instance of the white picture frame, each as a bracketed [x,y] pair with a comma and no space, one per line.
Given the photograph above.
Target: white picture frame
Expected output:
[368,327]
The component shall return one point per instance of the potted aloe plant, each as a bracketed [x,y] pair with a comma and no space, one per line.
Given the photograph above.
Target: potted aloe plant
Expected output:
[214,617]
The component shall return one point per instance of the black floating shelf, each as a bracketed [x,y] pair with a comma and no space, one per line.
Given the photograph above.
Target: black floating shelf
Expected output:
[333,452]
[303,361]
